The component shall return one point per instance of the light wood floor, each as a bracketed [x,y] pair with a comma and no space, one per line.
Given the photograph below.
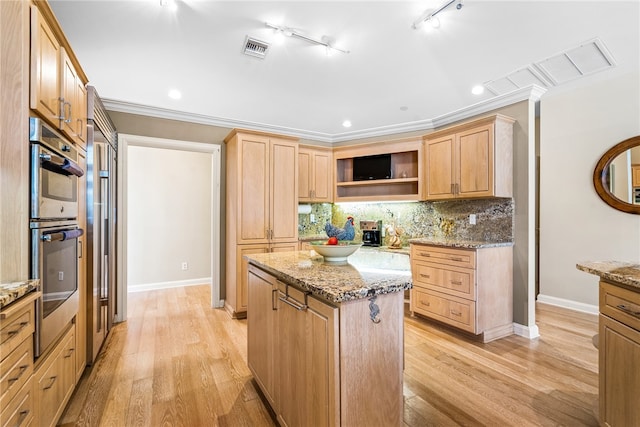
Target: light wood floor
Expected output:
[177,362]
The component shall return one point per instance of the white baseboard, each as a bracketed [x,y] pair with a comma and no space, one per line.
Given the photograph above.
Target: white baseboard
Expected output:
[529,332]
[565,303]
[166,285]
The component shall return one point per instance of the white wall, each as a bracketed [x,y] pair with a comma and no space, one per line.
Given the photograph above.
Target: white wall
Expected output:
[577,126]
[169,217]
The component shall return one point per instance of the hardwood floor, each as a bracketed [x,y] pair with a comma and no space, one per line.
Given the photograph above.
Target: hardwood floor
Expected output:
[177,362]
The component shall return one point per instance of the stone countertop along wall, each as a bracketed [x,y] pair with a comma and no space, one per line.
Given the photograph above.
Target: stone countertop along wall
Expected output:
[10,292]
[439,221]
[626,273]
[369,272]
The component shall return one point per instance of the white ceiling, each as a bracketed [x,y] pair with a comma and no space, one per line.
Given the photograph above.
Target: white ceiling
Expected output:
[394,75]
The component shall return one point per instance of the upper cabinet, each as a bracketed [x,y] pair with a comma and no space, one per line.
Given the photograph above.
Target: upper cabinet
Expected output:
[58,92]
[472,160]
[395,171]
[315,177]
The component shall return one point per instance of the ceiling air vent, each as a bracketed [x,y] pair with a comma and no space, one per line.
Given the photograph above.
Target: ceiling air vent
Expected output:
[255,47]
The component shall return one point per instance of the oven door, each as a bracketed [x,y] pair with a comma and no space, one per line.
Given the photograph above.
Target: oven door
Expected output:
[54,185]
[54,252]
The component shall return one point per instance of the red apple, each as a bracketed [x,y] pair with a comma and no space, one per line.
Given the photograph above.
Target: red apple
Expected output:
[332,241]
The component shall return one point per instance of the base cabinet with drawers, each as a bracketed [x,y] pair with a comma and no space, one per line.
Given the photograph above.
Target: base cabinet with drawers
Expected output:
[619,353]
[468,288]
[17,325]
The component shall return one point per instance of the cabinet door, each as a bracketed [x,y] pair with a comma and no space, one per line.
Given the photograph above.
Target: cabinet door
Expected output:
[253,183]
[635,170]
[474,154]
[308,369]
[440,168]
[619,385]
[304,175]
[80,113]
[242,273]
[69,76]
[283,191]
[322,177]
[45,69]
[261,331]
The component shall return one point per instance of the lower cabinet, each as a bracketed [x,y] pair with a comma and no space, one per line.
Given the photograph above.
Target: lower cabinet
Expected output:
[322,364]
[469,289]
[55,379]
[619,353]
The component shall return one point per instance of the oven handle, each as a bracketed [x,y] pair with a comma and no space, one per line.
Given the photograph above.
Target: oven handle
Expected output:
[62,235]
[66,166]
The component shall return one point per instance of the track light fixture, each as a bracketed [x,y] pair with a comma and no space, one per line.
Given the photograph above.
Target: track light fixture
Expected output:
[292,32]
[429,15]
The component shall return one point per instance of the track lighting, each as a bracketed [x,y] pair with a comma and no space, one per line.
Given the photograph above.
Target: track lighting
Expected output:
[292,32]
[429,15]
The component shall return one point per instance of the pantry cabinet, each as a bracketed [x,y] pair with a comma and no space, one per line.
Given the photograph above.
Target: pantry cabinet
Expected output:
[58,92]
[470,289]
[315,177]
[472,160]
[262,204]
[619,352]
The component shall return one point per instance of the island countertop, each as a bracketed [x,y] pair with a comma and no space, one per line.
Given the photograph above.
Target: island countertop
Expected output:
[468,244]
[627,273]
[10,292]
[367,273]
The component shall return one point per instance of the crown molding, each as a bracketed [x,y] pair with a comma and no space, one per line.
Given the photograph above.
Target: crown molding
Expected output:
[529,93]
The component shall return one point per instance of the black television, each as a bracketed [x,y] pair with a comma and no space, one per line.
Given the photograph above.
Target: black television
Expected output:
[372,167]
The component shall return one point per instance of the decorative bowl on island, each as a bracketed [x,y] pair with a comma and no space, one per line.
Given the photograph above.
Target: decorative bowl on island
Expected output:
[335,253]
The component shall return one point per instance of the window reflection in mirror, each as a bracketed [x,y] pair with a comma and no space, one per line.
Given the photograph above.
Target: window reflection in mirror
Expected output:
[623,176]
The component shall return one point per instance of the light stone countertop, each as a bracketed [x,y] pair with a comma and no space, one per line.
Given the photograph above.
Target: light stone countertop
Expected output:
[10,292]
[469,244]
[369,272]
[626,273]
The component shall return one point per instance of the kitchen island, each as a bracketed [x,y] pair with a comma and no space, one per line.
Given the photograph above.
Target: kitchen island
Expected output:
[325,341]
[618,341]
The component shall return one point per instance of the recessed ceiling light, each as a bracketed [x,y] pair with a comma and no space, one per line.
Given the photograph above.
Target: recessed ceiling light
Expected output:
[169,4]
[346,123]
[174,94]
[404,108]
[477,90]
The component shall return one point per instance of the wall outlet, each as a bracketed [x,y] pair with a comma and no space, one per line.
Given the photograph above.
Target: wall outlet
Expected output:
[185,266]
[472,219]
[312,218]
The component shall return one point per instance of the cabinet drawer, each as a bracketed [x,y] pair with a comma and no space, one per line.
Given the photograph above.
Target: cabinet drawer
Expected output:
[454,311]
[15,371]
[16,327]
[20,411]
[465,258]
[452,280]
[620,304]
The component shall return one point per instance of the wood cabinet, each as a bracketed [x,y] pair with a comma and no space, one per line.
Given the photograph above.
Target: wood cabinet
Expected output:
[325,364]
[55,379]
[470,161]
[262,204]
[58,92]
[406,172]
[469,289]
[83,292]
[619,352]
[315,177]
[17,325]
[635,175]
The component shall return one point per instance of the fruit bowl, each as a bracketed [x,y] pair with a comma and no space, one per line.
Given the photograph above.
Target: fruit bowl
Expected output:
[335,253]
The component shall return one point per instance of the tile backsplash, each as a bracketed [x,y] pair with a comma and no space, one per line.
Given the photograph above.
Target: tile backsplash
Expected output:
[441,220]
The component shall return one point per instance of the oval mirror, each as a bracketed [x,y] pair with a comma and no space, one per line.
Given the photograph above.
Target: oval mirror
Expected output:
[616,177]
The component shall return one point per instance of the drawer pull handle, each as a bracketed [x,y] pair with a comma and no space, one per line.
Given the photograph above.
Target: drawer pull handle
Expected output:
[17,377]
[21,327]
[23,416]
[454,258]
[455,313]
[426,276]
[52,380]
[425,303]
[456,282]
[628,310]
[425,254]
[69,354]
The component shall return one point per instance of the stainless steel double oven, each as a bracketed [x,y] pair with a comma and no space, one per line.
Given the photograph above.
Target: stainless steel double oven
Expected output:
[55,248]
